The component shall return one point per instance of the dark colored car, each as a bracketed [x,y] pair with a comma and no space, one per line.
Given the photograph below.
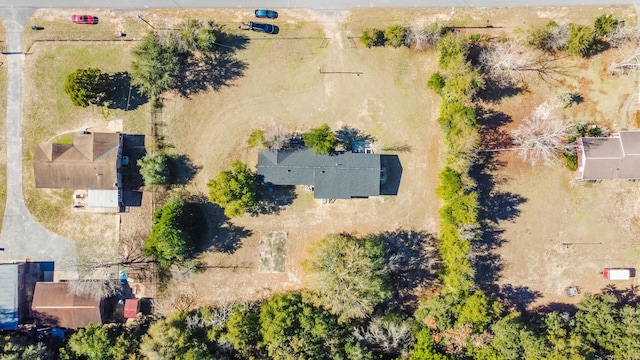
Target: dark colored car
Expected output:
[84,19]
[268,14]
[262,27]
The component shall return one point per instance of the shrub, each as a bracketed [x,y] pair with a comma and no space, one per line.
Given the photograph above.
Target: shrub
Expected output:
[372,37]
[436,83]
[475,38]
[571,159]
[87,86]
[321,140]
[395,35]
[256,140]
[581,40]
[234,190]
[604,24]
[154,168]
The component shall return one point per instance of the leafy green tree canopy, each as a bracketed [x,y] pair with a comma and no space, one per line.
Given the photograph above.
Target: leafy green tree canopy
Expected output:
[581,40]
[87,86]
[154,168]
[201,36]
[321,139]
[604,24]
[235,190]
[156,67]
[348,276]
[292,329]
[395,35]
[98,342]
[175,229]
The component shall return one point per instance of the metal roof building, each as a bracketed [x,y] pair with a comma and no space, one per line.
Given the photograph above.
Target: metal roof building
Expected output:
[339,176]
[616,157]
[9,280]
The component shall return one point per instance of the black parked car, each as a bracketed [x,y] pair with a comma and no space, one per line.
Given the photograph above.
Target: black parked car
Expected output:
[262,27]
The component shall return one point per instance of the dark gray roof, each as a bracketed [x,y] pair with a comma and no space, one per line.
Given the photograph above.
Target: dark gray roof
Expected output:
[8,296]
[613,157]
[340,176]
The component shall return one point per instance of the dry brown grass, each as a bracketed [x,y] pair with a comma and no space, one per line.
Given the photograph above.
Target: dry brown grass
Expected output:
[282,86]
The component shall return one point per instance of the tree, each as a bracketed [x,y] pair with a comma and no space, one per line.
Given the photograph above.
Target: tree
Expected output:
[154,168]
[243,331]
[542,135]
[181,336]
[277,138]
[174,231]
[425,347]
[551,38]
[348,276]
[390,335]
[235,190]
[604,24]
[420,37]
[256,140]
[395,35]
[292,330]
[321,139]
[87,86]
[199,36]
[98,342]
[507,63]
[19,347]
[96,288]
[581,40]
[156,67]
[372,37]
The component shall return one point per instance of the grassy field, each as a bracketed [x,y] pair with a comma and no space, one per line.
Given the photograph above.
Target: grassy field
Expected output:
[315,72]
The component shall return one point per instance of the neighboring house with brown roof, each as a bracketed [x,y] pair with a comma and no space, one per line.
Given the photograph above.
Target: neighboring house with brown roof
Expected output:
[91,162]
[54,305]
[609,158]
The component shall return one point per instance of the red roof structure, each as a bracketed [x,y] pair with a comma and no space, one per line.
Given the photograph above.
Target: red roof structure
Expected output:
[54,305]
[131,307]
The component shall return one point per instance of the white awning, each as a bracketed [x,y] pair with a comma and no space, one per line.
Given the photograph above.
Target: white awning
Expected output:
[103,198]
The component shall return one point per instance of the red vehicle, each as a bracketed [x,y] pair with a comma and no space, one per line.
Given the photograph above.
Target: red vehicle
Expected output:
[84,19]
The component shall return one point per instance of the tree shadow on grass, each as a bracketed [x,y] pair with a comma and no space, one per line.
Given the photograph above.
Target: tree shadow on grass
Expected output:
[628,296]
[492,136]
[182,169]
[496,207]
[494,93]
[221,234]
[212,71]
[272,199]
[413,260]
[123,94]
[518,297]
[347,135]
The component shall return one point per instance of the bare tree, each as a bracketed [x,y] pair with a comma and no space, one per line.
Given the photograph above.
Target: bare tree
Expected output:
[390,336]
[542,134]
[622,34]
[96,288]
[179,295]
[508,63]
[631,61]
[421,37]
[277,138]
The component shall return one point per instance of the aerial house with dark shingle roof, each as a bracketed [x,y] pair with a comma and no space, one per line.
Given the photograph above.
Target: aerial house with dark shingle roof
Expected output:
[338,176]
[609,158]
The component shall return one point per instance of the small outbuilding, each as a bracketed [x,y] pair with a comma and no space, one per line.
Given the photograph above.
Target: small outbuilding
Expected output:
[53,305]
[131,308]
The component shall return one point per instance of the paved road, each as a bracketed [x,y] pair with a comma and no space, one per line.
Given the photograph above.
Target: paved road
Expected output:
[310,4]
[21,236]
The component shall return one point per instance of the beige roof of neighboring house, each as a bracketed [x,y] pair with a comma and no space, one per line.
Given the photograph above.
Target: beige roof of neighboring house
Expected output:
[53,305]
[613,157]
[89,163]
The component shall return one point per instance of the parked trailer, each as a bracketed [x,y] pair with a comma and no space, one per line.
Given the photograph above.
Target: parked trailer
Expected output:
[616,274]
